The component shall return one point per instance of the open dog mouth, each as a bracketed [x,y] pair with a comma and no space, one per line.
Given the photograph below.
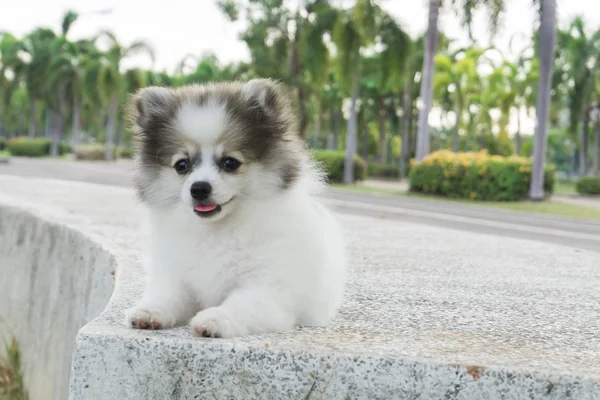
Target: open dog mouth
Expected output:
[209,209]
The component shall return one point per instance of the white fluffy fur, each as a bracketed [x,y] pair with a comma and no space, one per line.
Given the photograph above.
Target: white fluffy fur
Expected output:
[271,260]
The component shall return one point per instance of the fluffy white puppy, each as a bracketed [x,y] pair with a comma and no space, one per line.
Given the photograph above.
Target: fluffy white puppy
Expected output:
[239,242]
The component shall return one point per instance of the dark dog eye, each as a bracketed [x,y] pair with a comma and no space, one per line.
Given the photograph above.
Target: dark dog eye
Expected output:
[230,164]
[182,166]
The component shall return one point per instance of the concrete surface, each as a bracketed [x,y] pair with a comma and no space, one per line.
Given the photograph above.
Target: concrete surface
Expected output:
[54,280]
[584,235]
[430,313]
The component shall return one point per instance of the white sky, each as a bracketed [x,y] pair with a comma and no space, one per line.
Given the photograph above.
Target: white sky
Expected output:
[175,28]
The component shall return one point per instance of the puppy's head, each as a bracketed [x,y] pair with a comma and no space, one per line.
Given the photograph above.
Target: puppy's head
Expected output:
[214,147]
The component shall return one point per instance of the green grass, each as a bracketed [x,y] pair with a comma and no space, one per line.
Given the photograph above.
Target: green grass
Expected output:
[4,153]
[367,189]
[12,385]
[565,187]
[547,207]
[551,208]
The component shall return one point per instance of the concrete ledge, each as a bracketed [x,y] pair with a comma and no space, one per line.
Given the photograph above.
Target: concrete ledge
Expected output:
[54,280]
[430,313]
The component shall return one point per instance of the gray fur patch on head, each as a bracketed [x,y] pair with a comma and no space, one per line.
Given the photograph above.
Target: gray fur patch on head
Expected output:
[261,124]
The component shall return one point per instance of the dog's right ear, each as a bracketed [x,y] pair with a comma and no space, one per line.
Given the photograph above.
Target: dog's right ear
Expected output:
[151,108]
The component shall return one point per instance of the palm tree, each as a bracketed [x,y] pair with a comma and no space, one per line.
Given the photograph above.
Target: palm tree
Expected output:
[580,51]
[207,69]
[596,158]
[69,68]
[35,69]
[495,7]
[354,29]
[410,85]
[10,64]
[285,43]
[331,101]
[112,81]
[393,66]
[134,79]
[453,75]
[547,34]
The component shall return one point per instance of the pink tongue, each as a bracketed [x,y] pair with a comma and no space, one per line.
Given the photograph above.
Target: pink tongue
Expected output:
[205,208]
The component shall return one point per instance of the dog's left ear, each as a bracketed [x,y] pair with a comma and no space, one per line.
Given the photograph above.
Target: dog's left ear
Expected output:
[264,94]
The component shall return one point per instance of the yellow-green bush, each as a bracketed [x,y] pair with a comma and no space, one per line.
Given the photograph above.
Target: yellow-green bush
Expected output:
[588,185]
[92,152]
[332,163]
[475,176]
[378,170]
[126,152]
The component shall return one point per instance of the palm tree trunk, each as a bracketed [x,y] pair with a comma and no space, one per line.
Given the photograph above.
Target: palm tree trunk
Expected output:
[333,126]
[111,128]
[58,126]
[583,154]
[456,127]
[318,123]
[21,128]
[1,115]
[404,142]
[302,110]
[120,135]
[412,133]
[518,134]
[57,132]
[75,123]
[394,128]
[546,53]
[365,138]
[48,123]
[381,149]
[431,40]
[351,133]
[32,117]
[596,168]
[295,71]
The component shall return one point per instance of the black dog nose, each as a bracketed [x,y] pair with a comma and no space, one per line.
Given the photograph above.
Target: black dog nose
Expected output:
[201,190]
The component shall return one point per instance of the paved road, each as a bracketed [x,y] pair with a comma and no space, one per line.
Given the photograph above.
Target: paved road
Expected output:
[572,233]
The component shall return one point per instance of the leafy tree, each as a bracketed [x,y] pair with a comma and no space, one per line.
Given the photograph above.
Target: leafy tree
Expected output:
[113,83]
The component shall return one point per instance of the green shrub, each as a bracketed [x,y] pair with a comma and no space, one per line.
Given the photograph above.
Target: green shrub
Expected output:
[588,185]
[36,147]
[64,148]
[2,143]
[476,176]
[332,163]
[92,152]
[378,170]
[12,384]
[126,152]
[26,147]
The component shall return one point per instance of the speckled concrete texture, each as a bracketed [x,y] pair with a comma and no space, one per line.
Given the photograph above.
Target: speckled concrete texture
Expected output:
[430,313]
[53,281]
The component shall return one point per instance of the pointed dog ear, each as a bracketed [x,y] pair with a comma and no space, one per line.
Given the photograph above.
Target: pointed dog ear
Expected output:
[267,95]
[151,108]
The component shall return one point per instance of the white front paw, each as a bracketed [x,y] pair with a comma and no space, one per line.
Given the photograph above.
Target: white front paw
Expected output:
[149,318]
[215,322]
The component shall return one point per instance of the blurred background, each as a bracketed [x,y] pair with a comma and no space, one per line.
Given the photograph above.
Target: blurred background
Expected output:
[418,110]
[367,87]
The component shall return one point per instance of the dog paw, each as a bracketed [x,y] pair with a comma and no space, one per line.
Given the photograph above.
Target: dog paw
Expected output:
[214,322]
[142,318]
